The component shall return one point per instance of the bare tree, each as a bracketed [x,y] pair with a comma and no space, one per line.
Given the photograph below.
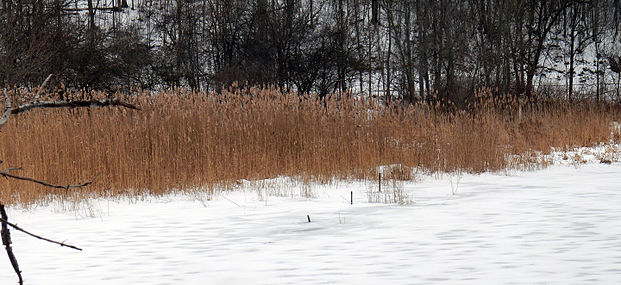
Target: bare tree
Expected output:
[575,19]
[410,48]
[532,22]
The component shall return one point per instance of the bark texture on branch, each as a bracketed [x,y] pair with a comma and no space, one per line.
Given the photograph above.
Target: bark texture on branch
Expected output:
[73,104]
[6,241]
[8,110]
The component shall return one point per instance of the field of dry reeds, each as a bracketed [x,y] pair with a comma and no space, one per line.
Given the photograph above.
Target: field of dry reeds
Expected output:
[183,140]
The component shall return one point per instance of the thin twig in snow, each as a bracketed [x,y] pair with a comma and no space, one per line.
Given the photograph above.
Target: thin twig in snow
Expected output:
[37,236]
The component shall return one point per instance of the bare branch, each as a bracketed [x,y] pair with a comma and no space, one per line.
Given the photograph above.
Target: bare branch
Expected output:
[115,9]
[57,104]
[11,169]
[5,174]
[36,97]
[7,110]
[6,241]
[73,104]
[37,236]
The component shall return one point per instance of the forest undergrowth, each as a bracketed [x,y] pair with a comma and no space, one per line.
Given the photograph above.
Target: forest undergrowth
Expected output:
[187,140]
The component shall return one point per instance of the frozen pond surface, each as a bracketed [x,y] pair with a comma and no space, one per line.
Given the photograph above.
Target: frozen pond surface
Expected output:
[561,225]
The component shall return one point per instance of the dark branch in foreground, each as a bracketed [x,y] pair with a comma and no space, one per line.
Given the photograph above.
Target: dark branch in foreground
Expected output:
[8,111]
[6,241]
[5,174]
[37,236]
[73,104]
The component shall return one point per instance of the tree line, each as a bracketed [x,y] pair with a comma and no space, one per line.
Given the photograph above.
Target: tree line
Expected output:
[401,49]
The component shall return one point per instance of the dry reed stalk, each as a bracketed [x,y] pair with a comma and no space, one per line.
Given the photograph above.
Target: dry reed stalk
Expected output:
[182,139]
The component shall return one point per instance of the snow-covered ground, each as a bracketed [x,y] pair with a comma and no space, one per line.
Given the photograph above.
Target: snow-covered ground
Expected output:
[561,225]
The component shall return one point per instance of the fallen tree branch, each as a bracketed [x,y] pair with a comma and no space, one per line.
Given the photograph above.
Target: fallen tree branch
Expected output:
[8,110]
[3,220]
[115,9]
[73,104]
[5,174]
[6,241]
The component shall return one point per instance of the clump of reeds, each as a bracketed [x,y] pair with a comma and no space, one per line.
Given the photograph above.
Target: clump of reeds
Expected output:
[184,140]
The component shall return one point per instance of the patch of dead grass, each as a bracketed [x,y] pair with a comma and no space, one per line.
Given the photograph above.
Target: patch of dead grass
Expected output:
[188,140]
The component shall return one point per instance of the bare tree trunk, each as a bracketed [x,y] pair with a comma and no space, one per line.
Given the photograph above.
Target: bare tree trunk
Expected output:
[409,72]
[570,89]
[91,16]
[618,93]
[422,53]
[375,12]
[597,51]
[388,68]
[359,46]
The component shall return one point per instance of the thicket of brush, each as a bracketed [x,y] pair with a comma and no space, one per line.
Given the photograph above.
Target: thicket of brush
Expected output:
[182,139]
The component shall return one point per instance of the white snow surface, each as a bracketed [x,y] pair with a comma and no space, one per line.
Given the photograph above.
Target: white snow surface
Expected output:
[560,225]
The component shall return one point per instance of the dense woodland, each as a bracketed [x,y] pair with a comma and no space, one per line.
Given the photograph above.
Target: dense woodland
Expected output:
[403,49]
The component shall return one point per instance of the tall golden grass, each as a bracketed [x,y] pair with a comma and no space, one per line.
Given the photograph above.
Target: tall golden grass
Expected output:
[182,139]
